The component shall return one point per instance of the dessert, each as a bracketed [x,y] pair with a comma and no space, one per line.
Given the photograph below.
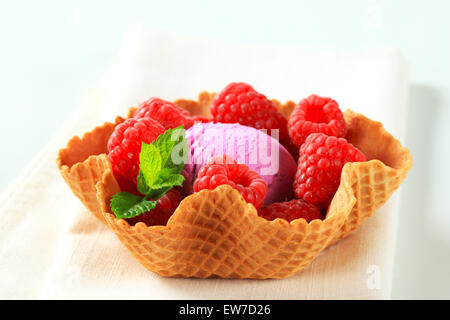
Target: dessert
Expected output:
[239,103]
[320,165]
[217,233]
[260,152]
[291,210]
[225,170]
[165,112]
[159,215]
[124,145]
[316,114]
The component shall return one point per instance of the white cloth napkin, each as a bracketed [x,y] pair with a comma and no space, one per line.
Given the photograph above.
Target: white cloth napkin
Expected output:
[51,247]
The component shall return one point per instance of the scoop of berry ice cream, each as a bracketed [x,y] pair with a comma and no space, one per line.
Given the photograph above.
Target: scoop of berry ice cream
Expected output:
[259,151]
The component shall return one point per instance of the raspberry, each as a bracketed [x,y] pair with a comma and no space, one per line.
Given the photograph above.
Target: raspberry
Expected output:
[240,103]
[124,145]
[162,212]
[316,115]
[225,170]
[320,165]
[168,114]
[291,210]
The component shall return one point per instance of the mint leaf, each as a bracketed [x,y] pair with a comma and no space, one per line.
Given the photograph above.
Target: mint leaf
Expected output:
[159,189]
[127,205]
[169,145]
[150,163]
[161,164]
[172,181]
[142,186]
[165,144]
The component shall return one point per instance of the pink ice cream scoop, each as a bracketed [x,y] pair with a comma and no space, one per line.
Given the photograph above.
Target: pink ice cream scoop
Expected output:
[261,152]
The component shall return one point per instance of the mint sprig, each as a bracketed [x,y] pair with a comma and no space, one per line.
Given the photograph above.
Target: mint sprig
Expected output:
[128,205]
[161,164]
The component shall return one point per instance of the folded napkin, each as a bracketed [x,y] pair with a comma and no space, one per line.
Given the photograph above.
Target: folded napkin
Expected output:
[51,247]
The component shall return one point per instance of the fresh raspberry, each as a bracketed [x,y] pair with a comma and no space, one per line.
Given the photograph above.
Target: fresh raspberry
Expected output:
[291,210]
[320,165]
[201,119]
[124,145]
[168,114]
[159,215]
[316,115]
[239,103]
[225,170]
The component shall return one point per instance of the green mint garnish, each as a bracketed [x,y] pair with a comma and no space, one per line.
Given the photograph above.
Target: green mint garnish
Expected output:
[127,205]
[161,164]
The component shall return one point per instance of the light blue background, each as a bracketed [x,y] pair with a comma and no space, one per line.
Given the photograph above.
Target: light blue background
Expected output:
[53,52]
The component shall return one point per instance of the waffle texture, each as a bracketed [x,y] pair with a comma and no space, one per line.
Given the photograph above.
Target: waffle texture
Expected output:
[215,233]
[83,162]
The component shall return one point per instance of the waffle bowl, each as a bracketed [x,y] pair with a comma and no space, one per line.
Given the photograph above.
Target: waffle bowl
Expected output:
[215,233]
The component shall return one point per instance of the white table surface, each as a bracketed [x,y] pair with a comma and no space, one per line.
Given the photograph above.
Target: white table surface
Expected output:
[52,53]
